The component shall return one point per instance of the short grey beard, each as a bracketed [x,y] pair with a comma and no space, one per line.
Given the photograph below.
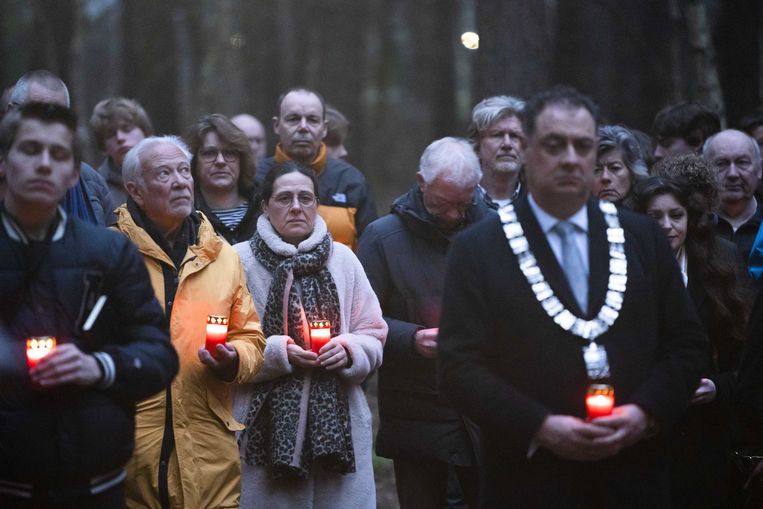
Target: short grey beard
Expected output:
[514,168]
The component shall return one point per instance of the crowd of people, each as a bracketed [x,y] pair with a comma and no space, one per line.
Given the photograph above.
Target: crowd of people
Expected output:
[541,256]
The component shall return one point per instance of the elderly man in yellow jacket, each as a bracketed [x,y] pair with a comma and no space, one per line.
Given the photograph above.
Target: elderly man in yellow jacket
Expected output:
[186,454]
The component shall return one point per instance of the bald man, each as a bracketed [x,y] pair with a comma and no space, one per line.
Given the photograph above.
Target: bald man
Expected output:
[254,131]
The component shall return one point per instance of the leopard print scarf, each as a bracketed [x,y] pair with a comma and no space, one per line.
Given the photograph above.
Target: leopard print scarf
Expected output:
[303,417]
[316,299]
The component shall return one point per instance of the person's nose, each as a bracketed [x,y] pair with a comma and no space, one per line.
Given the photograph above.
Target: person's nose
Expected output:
[295,205]
[177,180]
[303,123]
[606,177]
[453,214]
[44,162]
[733,171]
[659,152]
[570,155]
[121,136]
[664,223]
[220,160]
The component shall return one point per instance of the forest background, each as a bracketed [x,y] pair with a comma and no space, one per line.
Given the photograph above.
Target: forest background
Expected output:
[396,68]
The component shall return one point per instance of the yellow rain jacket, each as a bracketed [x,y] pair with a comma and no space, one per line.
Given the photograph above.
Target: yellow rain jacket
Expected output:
[204,467]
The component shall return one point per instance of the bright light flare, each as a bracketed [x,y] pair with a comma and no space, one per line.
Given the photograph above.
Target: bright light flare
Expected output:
[470,40]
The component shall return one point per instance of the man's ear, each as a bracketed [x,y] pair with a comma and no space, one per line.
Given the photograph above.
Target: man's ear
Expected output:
[420,180]
[135,193]
[275,125]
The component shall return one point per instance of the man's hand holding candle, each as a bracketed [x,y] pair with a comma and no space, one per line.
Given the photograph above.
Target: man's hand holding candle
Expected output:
[66,364]
[225,366]
[573,438]
[629,424]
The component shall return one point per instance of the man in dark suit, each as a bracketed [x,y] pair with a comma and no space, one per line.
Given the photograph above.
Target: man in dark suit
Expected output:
[526,294]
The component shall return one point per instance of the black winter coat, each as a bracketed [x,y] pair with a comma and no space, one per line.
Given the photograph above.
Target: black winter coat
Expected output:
[61,437]
[404,255]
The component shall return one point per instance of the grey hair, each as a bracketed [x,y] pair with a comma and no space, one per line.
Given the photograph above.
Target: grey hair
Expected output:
[707,150]
[617,137]
[491,110]
[132,169]
[451,159]
[45,78]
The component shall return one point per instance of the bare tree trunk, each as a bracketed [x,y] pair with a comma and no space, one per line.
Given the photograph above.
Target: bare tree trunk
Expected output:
[516,46]
[737,38]
[286,72]
[676,67]
[77,68]
[185,64]
[220,80]
[52,22]
[703,56]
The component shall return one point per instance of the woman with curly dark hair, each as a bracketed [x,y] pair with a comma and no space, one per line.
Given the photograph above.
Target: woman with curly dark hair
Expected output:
[682,203]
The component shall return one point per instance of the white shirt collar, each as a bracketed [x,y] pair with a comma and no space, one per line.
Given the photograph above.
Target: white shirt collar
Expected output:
[547,221]
[16,232]
[683,264]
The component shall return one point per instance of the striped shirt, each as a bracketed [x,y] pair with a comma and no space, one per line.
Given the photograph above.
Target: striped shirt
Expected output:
[233,216]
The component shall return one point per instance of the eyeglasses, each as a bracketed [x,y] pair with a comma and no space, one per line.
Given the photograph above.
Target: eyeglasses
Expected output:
[285,200]
[209,155]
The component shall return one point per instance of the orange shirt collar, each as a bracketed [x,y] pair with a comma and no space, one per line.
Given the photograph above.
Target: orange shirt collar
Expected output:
[318,164]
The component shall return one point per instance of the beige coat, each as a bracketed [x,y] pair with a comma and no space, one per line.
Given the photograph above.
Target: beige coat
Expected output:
[204,467]
[362,332]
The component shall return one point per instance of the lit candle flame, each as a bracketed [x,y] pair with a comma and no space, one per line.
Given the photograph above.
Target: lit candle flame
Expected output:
[37,348]
[600,400]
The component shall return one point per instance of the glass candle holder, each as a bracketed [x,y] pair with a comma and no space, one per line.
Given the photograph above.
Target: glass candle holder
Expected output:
[600,400]
[217,333]
[37,347]
[320,334]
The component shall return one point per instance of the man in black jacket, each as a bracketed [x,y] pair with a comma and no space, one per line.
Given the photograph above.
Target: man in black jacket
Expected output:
[346,202]
[557,293]
[67,424]
[404,256]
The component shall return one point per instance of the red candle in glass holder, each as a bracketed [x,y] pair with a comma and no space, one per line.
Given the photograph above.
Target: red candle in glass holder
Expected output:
[320,333]
[600,400]
[217,332]
[38,347]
